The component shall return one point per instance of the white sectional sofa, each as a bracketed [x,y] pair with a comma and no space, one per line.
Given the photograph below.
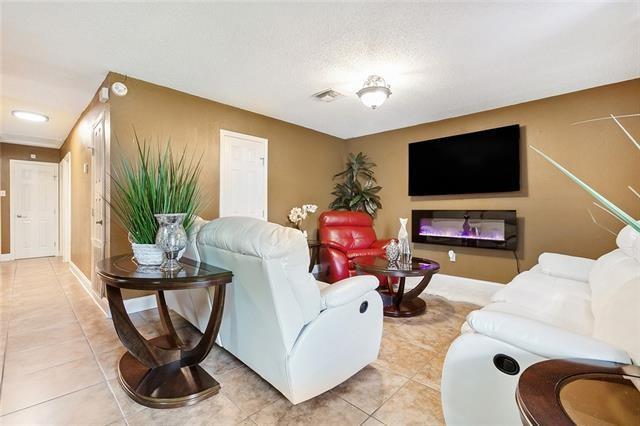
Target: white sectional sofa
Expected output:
[564,307]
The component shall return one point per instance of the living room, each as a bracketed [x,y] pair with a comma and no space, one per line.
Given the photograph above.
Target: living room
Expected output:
[456,170]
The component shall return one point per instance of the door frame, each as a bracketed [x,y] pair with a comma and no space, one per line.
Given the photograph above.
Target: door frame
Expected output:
[65,208]
[224,166]
[12,204]
[105,117]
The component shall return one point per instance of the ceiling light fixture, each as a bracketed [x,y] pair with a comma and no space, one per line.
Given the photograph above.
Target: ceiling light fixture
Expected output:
[374,92]
[30,116]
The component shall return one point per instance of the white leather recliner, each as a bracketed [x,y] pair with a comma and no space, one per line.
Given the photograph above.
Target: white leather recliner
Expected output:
[302,336]
[564,307]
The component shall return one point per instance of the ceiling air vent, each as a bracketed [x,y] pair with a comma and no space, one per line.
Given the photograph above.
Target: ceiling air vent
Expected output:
[328,95]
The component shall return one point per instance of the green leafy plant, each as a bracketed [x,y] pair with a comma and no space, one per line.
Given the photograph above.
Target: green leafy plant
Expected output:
[606,205]
[359,190]
[151,184]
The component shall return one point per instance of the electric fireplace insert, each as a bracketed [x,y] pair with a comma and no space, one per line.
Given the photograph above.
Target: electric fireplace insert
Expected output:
[495,229]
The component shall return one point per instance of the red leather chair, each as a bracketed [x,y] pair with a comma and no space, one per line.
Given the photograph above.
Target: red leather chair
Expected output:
[345,235]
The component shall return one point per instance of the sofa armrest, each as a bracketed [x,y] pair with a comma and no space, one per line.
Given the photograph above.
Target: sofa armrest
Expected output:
[382,244]
[542,339]
[348,290]
[334,245]
[563,266]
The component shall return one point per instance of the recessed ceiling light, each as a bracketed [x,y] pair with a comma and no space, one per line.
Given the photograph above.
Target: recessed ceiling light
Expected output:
[30,116]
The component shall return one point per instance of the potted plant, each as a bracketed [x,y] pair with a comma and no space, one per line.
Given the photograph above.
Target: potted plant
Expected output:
[153,184]
[358,191]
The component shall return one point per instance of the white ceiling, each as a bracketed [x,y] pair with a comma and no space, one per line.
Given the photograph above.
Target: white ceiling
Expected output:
[441,59]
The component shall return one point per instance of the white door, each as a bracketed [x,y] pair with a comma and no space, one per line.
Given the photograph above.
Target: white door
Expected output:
[65,207]
[243,175]
[98,205]
[34,209]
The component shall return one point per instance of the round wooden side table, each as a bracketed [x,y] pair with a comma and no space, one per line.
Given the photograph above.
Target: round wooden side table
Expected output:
[398,303]
[579,392]
[163,372]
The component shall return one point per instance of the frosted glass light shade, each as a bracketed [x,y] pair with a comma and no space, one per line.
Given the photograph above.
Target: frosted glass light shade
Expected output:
[374,92]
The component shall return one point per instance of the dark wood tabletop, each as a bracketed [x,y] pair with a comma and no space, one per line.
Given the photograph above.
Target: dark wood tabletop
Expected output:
[123,272]
[380,265]
[579,391]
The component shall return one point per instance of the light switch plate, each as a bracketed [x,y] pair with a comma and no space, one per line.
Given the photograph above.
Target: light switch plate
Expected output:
[85,168]
[3,193]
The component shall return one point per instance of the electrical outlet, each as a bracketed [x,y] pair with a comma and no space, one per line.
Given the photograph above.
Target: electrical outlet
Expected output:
[3,193]
[33,156]
[452,256]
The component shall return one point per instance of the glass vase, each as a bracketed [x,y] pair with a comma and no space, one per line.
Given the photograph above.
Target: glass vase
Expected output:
[171,238]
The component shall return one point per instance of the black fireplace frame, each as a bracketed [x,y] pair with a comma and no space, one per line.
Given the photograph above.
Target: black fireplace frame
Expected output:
[509,217]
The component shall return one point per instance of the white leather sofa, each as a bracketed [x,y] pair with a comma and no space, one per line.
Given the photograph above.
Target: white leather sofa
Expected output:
[564,307]
[302,336]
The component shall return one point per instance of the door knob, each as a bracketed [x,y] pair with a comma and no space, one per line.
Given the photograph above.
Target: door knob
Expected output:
[19,215]
[98,222]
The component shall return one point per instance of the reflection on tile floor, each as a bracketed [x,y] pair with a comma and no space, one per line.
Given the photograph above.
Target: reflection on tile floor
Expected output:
[58,357]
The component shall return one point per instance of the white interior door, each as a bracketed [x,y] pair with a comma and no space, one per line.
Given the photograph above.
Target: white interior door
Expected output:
[34,209]
[98,236]
[65,207]
[243,175]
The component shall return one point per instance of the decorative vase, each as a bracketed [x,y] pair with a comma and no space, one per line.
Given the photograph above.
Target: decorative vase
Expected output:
[146,254]
[172,239]
[392,251]
[403,241]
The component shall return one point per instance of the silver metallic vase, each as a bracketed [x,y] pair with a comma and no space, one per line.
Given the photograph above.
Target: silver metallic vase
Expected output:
[392,251]
[171,238]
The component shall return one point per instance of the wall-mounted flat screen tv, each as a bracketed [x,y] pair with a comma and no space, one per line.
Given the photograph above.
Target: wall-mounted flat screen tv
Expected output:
[478,162]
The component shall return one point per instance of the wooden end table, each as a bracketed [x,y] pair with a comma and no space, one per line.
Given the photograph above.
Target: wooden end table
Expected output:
[579,391]
[398,303]
[163,372]
[314,248]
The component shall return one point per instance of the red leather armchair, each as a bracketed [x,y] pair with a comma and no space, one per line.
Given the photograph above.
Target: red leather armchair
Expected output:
[345,235]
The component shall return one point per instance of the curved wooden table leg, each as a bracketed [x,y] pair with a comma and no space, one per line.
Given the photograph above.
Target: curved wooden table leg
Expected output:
[165,319]
[160,372]
[408,304]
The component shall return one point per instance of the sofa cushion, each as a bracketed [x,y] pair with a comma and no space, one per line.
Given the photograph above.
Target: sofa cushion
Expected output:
[566,303]
[563,266]
[608,273]
[566,320]
[628,241]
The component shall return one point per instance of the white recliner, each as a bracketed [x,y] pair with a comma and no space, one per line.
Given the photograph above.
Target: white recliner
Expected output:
[564,307]
[302,336]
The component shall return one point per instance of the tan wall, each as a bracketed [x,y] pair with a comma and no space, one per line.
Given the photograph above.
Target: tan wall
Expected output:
[552,210]
[301,161]
[9,152]
[81,204]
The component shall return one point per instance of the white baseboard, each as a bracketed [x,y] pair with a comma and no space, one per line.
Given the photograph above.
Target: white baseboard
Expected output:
[131,305]
[6,257]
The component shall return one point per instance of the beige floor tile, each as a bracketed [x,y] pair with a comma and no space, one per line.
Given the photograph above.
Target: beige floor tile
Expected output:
[109,360]
[413,404]
[19,363]
[431,374]
[247,390]
[325,409]
[219,362]
[217,409]
[43,337]
[127,405]
[372,421]
[94,405]
[30,389]
[370,388]
[401,356]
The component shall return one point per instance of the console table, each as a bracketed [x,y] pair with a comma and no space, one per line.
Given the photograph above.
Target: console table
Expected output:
[398,303]
[163,372]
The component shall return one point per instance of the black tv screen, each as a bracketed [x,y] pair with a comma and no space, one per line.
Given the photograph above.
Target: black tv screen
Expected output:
[485,161]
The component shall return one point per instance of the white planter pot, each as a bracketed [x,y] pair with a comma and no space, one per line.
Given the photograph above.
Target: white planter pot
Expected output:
[147,254]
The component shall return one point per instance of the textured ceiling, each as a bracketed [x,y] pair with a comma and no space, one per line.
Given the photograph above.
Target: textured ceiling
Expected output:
[441,59]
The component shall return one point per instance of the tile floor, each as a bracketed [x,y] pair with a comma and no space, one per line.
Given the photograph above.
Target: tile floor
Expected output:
[58,356]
